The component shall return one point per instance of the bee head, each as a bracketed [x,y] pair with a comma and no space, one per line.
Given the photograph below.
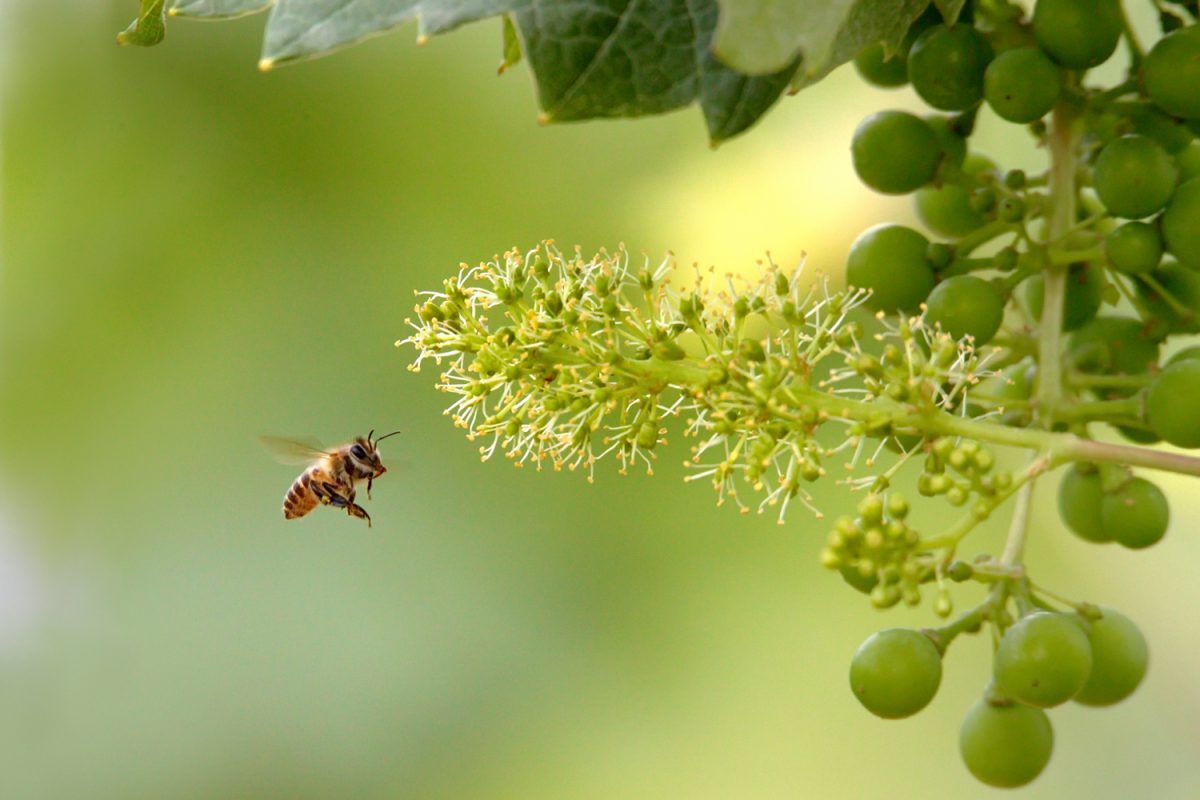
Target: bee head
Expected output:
[365,453]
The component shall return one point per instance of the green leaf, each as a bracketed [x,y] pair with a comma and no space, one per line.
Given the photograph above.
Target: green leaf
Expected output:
[149,27]
[623,58]
[512,46]
[217,9]
[950,9]
[299,29]
[761,36]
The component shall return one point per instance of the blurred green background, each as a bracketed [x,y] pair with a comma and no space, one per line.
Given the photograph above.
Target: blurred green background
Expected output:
[195,253]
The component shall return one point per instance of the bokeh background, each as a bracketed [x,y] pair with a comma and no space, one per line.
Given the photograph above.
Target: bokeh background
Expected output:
[195,253]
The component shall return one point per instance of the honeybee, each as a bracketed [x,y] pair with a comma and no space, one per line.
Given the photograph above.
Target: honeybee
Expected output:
[331,474]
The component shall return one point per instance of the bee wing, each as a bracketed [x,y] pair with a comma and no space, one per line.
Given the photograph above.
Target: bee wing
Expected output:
[294,451]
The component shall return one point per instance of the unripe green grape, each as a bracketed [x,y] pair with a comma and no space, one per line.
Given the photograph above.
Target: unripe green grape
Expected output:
[1015,383]
[1136,515]
[951,137]
[1005,746]
[1119,660]
[1113,345]
[896,672]
[1135,177]
[946,210]
[895,152]
[1077,33]
[1171,403]
[1011,209]
[1134,247]
[983,200]
[1188,161]
[1043,660]
[1171,73]
[967,306]
[1079,498]
[1085,292]
[862,583]
[1181,222]
[946,66]
[877,69]
[1183,285]
[1138,435]
[1186,354]
[939,254]
[1021,85]
[1173,134]
[890,260]
[978,164]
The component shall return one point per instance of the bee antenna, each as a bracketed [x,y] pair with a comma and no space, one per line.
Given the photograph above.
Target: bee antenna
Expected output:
[381,438]
[369,435]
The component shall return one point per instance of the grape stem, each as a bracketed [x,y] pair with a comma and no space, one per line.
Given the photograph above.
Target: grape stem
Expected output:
[1061,142]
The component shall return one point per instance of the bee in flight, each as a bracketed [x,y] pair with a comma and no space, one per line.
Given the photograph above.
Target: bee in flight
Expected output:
[331,474]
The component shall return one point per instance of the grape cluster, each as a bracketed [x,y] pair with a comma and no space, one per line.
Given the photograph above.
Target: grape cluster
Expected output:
[1041,312]
[1082,279]
[1092,656]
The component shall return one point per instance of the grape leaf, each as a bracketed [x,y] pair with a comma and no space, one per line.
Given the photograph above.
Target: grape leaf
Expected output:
[615,58]
[298,29]
[149,28]
[760,36]
[217,9]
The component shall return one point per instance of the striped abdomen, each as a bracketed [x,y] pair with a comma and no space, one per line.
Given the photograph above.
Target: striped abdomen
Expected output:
[300,499]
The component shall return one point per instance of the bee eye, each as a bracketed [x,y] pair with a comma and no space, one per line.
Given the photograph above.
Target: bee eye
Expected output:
[358,452]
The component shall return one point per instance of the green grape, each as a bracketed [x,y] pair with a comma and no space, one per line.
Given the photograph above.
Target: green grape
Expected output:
[1085,292]
[1134,177]
[1186,354]
[1005,745]
[1016,383]
[896,672]
[895,152]
[1136,515]
[967,306]
[1077,33]
[1134,247]
[1079,498]
[946,66]
[890,260]
[1171,402]
[1188,161]
[1043,660]
[1119,660]
[1181,223]
[1113,345]
[862,583]
[952,139]
[978,164]
[1021,85]
[1183,285]
[1171,133]
[946,210]
[1171,73]
[878,70]
[1138,435]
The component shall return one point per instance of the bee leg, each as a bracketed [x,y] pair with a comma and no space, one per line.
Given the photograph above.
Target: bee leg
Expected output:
[358,511]
[369,480]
